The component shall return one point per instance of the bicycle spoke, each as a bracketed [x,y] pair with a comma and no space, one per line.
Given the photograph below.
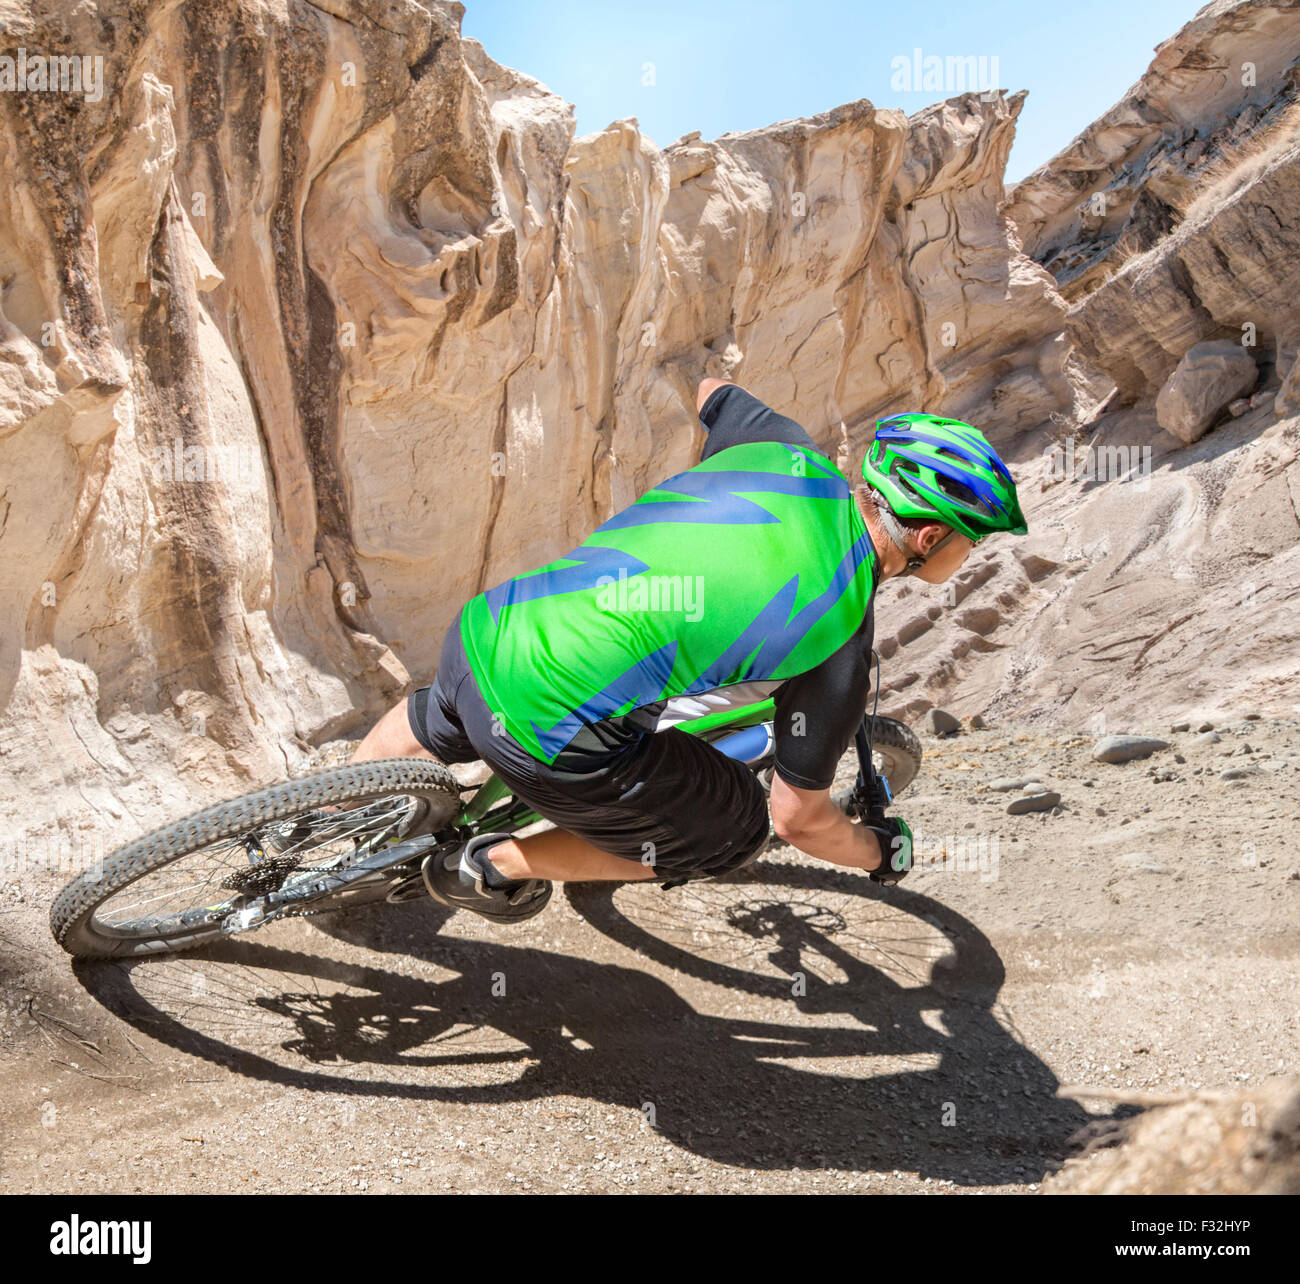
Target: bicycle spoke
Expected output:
[319,840]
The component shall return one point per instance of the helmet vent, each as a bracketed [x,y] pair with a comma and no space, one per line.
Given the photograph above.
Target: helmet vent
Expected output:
[961,493]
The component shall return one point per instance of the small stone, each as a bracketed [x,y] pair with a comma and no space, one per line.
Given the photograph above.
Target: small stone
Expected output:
[1115,749]
[1140,860]
[1206,726]
[1033,802]
[1252,716]
[1179,758]
[1240,773]
[1239,407]
[1207,738]
[1181,726]
[977,723]
[1005,784]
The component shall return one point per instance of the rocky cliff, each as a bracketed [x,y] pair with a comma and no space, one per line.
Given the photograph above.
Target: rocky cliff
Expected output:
[316,320]
[1173,218]
[1161,574]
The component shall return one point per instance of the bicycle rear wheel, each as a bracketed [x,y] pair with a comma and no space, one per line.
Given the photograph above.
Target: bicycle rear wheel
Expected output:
[178,887]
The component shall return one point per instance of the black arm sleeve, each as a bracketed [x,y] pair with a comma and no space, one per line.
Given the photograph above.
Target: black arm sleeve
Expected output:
[732,417]
[818,711]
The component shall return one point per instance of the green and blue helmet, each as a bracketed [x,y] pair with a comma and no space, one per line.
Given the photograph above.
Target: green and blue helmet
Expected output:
[928,466]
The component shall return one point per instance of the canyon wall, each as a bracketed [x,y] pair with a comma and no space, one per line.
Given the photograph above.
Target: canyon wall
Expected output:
[316,321]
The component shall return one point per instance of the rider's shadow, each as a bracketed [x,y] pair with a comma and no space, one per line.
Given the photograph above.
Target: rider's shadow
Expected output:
[976,1106]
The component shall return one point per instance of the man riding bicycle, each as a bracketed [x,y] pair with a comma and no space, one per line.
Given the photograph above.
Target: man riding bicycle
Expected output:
[750,576]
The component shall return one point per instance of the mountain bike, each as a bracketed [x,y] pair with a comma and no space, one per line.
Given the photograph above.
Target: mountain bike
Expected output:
[357,835]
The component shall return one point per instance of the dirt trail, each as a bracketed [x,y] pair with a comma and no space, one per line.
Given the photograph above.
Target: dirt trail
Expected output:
[811,1033]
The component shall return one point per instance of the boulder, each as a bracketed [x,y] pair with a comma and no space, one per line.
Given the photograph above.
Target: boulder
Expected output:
[1287,399]
[1207,1143]
[938,722]
[1209,377]
[1126,748]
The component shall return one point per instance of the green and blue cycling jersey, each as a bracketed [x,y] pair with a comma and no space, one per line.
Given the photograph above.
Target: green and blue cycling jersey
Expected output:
[735,576]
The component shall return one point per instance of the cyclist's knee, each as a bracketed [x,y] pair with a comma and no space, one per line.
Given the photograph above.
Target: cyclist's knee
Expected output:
[755,842]
[742,850]
[392,737]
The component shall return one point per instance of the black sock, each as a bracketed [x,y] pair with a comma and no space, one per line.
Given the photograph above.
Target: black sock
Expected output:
[492,876]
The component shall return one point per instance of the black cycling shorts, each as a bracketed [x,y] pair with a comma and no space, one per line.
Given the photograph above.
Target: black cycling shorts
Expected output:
[667,799]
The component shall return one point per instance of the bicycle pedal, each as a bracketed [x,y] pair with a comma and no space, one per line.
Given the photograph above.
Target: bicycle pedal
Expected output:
[412,889]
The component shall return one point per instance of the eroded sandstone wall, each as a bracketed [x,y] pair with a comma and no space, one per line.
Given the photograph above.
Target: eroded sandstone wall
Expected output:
[319,321]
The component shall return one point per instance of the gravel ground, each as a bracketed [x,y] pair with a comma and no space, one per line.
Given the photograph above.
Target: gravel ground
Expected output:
[805,1031]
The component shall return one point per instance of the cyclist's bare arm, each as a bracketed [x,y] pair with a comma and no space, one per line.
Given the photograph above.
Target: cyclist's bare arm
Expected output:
[808,820]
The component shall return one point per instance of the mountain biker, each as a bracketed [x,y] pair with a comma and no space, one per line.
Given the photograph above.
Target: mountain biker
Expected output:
[751,575]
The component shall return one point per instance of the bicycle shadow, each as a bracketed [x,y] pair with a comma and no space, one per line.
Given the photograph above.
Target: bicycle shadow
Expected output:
[982,1111]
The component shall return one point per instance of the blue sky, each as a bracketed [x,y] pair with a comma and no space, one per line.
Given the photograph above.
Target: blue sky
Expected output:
[721,65]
